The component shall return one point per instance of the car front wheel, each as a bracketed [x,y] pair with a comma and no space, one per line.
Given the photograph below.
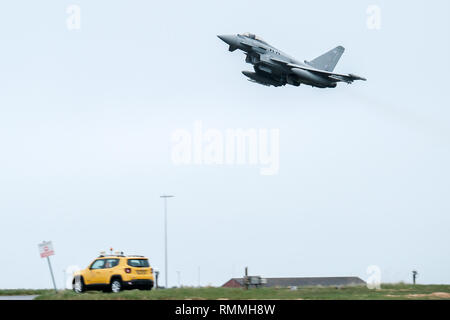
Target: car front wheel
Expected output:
[78,285]
[116,285]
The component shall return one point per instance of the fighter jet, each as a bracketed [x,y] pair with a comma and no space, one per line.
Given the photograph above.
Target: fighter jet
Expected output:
[275,68]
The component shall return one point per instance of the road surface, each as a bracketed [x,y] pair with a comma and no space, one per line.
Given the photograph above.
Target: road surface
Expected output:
[17,297]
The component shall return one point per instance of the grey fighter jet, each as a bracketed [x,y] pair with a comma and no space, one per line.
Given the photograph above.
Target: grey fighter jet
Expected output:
[275,68]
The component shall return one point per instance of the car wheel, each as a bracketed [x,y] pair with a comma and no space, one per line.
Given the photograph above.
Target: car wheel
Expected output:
[78,285]
[116,285]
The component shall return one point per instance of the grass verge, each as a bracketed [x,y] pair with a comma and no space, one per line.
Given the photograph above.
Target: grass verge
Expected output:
[387,292]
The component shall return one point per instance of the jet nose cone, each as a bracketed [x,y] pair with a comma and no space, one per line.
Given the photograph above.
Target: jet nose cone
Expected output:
[228,39]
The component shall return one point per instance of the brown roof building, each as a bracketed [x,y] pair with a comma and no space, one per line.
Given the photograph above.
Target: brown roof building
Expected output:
[301,282]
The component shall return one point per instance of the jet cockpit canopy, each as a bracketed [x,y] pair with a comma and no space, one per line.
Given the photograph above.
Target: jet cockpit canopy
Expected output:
[252,36]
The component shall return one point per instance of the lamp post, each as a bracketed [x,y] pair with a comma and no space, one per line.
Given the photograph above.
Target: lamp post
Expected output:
[165,236]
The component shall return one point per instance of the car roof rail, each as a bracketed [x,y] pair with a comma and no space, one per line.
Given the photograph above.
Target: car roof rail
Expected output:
[110,255]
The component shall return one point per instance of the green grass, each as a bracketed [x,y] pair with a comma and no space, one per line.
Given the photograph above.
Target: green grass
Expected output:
[387,292]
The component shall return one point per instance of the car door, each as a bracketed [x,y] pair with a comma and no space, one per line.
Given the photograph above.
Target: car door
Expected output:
[95,275]
[110,269]
[140,268]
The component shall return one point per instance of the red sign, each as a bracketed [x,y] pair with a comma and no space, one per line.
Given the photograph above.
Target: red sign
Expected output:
[46,249]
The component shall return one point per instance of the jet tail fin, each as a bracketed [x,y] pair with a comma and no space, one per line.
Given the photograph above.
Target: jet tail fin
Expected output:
[327,61]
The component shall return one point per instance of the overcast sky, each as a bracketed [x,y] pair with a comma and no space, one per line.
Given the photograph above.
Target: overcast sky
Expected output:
[87,116]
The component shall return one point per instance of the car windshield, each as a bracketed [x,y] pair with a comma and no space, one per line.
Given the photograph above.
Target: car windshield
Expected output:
[138,263]
[98,264]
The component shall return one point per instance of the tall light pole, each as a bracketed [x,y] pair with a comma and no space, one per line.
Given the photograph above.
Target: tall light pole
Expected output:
[165,196]
[179,279]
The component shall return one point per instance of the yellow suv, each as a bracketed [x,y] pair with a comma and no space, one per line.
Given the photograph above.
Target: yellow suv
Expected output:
[115,273]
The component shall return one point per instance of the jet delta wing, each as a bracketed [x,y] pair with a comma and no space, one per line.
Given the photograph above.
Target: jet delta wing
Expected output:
[348,78]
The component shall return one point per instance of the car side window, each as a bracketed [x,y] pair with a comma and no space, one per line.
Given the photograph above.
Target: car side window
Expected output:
[111,263]
[98,264]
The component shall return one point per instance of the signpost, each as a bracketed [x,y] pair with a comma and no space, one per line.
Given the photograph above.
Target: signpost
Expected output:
[46,250]
[415,274]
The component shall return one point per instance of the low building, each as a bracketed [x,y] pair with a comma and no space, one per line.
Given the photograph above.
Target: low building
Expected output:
[301,282]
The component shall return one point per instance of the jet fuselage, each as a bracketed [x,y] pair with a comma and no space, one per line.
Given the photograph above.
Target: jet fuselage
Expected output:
[276,68]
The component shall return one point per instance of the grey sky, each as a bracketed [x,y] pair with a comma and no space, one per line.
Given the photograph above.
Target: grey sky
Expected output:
[86,119]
